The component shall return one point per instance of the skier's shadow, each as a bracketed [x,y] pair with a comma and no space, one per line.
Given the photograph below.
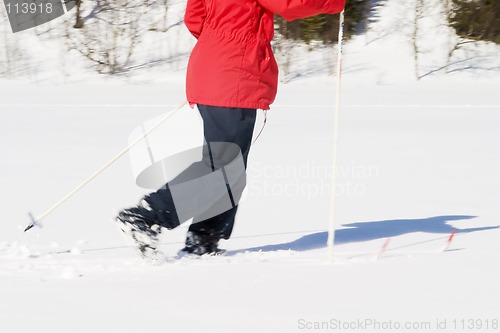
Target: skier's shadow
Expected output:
[367,231]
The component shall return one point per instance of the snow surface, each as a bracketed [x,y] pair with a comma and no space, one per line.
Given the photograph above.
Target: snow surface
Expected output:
[417,160]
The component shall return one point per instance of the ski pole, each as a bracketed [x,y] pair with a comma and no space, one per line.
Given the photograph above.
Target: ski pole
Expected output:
[331,230]
[37,221]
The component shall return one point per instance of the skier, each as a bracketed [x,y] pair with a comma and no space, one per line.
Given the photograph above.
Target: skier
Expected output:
[231,73]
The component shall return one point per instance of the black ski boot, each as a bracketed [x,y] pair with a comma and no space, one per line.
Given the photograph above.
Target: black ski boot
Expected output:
[139,224]
[199,245]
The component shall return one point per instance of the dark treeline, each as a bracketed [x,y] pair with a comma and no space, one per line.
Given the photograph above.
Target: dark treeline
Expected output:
[475,19]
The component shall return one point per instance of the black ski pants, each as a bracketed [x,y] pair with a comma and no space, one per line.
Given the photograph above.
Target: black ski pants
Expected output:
[220,124]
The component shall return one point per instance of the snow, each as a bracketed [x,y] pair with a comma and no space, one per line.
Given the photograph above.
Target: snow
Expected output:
[417,159]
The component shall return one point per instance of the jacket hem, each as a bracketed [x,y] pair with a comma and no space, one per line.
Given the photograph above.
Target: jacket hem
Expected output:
[231,104]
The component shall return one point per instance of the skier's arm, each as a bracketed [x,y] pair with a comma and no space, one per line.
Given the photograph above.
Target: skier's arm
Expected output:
[294,9]
[195,16]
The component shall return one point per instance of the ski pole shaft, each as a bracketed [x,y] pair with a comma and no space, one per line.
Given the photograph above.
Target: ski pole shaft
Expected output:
[331,230]
[38,219]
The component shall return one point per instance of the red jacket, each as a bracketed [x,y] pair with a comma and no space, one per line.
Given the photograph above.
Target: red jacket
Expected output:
[232,64]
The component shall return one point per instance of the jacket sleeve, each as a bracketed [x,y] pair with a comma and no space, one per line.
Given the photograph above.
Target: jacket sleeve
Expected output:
[294,9]
[195,16]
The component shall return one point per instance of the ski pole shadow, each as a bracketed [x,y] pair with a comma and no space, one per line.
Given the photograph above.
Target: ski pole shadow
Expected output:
[367,231]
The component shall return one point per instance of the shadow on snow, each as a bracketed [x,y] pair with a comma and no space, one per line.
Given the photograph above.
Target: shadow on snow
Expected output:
[367,231]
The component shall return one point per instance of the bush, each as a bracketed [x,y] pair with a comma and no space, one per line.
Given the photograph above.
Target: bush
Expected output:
[476,19]
[325,27]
